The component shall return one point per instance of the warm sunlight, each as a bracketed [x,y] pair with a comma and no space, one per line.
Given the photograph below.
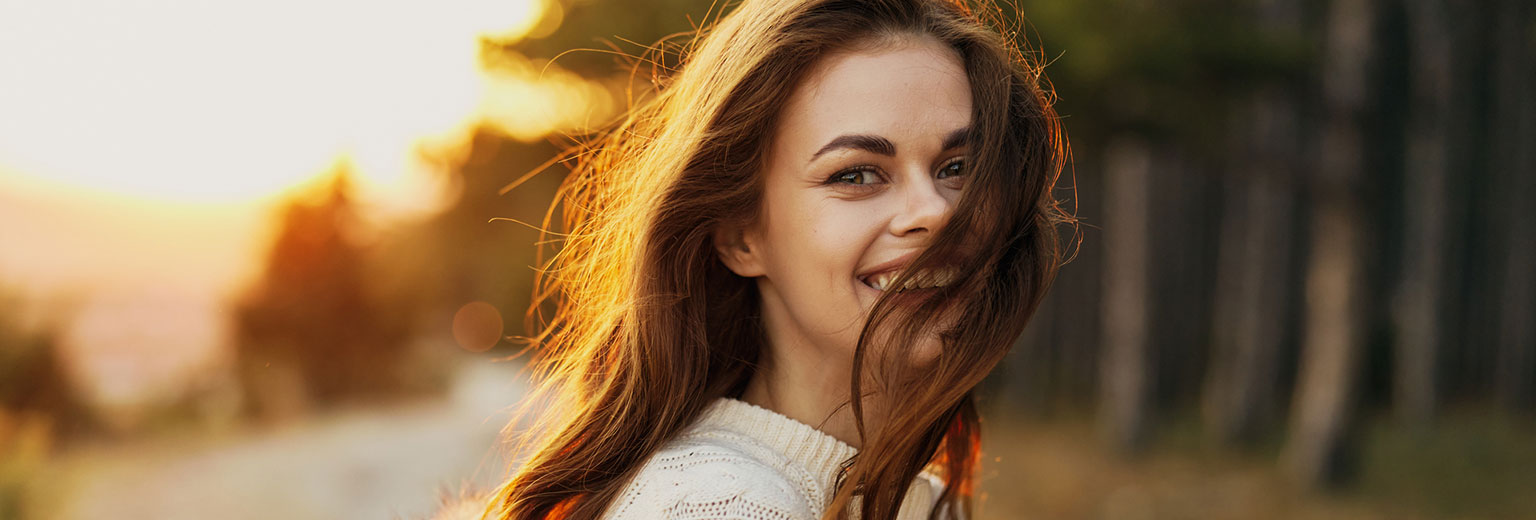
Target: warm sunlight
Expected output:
[218,102]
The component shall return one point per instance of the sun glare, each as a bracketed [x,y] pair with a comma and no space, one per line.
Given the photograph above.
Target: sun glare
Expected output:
[200,101]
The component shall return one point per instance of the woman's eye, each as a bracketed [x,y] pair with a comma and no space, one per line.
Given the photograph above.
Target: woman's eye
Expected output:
[855,176]
[953,168]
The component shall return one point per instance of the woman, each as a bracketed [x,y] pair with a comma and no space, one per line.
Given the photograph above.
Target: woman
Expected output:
[782,276]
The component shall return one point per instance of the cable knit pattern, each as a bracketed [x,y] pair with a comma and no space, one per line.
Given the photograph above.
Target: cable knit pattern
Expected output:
[737,462]
[741,461]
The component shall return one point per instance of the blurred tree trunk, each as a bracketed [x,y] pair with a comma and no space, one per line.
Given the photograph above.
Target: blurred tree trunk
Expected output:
[1252,270]
[1252,278]
[1180,259]
[1124,380]
[1514,168]
[1417,318]
[1323,408]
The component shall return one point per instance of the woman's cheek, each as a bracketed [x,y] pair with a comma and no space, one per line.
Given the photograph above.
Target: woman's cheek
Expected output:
[849,223]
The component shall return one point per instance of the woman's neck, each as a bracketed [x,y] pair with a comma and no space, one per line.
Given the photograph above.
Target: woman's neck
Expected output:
[812,391]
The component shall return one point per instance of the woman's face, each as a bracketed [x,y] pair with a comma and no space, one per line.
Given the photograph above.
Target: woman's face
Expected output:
[866,162]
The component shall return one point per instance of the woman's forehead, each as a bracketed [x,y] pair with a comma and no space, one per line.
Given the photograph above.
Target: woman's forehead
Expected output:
[912,92]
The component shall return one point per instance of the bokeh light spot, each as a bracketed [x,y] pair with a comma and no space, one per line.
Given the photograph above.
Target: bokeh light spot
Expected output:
[477,326]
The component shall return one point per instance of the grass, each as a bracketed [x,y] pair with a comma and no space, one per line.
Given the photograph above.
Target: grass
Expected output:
[1473,464]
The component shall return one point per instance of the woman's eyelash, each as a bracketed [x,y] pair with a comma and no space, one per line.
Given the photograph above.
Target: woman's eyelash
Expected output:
[958,160]
[837,178]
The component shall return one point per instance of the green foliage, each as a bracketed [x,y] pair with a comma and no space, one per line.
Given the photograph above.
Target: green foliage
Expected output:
[1162,69]
[1165,70]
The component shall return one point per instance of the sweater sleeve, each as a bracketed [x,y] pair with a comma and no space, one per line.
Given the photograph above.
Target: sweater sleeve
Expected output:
[710,482]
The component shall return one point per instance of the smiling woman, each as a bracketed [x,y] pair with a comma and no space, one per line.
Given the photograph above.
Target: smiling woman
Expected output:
[782,276]
[840,223]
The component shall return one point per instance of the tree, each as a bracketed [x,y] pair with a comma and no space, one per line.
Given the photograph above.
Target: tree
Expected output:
[1322,412]
[1255,249]
[1125,378]
[1514,169]
[311,330]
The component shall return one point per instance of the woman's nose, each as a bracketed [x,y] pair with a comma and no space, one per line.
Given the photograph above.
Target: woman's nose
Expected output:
[924,209]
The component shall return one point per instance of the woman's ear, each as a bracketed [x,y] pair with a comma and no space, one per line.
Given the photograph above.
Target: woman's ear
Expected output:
[736,246]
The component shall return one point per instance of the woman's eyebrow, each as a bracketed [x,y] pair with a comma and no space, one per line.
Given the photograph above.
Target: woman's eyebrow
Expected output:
[883,146]
[870,143]
[957,138]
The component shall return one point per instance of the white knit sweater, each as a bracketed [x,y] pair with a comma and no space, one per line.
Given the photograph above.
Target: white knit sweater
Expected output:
[737,462]
[740,461]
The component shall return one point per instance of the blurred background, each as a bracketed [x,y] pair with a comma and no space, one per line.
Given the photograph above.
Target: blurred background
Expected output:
[256,260]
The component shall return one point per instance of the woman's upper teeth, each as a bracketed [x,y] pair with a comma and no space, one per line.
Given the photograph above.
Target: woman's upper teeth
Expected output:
[920,280]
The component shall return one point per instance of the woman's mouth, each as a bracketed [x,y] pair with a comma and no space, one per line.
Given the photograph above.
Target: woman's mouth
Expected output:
[925,279]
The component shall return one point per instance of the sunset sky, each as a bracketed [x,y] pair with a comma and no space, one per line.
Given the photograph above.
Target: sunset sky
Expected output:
[221,101]
[143,144]
[195,112]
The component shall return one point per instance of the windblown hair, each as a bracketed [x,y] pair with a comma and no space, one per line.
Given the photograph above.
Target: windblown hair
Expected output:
[649,326]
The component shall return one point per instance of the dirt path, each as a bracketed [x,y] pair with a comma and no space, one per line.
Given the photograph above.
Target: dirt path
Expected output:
[363,464]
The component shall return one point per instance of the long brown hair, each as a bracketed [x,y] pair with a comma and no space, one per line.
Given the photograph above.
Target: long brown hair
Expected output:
[648,326]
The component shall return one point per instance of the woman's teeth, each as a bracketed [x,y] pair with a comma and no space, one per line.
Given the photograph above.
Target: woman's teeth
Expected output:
[921,280]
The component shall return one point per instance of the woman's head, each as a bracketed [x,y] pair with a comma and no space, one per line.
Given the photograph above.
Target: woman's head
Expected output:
[708,213]
[864,166]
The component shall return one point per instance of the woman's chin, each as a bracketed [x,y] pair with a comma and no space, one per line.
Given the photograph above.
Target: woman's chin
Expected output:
[920,352]
[926,350]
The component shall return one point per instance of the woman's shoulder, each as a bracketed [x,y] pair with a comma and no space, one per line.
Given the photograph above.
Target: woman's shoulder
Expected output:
[713,474]
[697,476]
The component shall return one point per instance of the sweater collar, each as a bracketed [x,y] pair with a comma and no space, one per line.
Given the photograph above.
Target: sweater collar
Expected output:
[816,451]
